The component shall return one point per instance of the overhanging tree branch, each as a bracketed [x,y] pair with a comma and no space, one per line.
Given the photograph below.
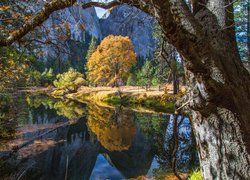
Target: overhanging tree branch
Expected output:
[101,5]
[37,20]
[44,14]
[55,5]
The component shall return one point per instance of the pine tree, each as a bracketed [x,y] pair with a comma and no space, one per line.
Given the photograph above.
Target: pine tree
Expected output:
[92,48]
[146,74]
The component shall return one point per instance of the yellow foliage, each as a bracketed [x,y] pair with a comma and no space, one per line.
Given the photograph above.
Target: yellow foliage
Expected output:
[111,63]
[69,109]
[26,18]
[3,8]
[114,129]
[15,15]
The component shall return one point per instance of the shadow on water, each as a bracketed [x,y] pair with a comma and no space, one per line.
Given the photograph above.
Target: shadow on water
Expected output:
[97,143]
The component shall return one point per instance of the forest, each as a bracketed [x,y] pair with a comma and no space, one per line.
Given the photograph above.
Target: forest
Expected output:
[136,89]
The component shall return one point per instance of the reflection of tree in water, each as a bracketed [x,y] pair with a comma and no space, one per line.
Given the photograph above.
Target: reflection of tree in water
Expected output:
[37,101]
[128,140]
[160,128]
[8,114]
[152,125]
[68,149]
[69,109]
[114,128]
[186,156]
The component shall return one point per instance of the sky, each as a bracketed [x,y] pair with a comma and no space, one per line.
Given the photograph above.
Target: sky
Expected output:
[100,12]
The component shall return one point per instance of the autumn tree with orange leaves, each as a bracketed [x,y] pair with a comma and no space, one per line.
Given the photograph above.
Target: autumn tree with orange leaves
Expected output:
[112,61]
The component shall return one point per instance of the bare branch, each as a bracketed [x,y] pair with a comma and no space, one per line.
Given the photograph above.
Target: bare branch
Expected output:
[37,20]
[101,5]
[44,14]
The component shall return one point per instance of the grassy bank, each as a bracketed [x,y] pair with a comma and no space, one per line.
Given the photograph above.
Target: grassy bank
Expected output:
[125,96]
[150,102]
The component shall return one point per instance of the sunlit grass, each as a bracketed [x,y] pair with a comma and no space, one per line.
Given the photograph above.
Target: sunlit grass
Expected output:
[195,175]
[129,96]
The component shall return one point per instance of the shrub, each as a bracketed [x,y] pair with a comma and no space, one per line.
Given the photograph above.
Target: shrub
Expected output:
[35,78]
[70,80]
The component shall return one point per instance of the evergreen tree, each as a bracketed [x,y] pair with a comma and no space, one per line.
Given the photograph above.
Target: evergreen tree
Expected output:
[166,58]
[132,80]
[92,48]
[146,75]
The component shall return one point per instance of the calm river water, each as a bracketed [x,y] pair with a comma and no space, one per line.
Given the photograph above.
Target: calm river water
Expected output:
[56,139]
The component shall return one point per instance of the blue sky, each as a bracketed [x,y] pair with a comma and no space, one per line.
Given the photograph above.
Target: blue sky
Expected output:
[100,12]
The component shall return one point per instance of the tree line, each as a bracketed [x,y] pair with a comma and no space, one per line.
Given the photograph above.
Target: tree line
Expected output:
[111,63]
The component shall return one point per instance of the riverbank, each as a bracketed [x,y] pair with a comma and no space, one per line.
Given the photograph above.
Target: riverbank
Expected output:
[155,98]
[128,96]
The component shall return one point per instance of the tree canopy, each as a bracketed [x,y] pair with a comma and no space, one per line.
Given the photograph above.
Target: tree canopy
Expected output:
[112,61]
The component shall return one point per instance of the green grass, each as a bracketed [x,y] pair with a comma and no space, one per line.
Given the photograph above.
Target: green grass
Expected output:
[113,100]
[147,102]
[195,175]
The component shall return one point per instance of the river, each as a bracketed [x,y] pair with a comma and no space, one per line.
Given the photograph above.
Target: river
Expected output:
[62,139]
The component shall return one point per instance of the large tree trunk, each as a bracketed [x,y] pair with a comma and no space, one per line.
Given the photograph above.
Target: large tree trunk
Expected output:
[220,114]
[218,84]
[219,95]
[221,125]
[222,151]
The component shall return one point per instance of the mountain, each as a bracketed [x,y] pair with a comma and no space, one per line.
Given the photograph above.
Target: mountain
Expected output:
[67,34]
[67,26]
[129,21]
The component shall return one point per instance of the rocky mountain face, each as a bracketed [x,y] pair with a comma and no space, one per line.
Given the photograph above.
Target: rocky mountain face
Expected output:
[128,21]
[68,28]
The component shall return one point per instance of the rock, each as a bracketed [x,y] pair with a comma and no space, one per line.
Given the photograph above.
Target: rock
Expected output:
[129,21]
[71,26]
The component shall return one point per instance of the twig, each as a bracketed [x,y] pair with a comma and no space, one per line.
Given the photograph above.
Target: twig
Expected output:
[182,106]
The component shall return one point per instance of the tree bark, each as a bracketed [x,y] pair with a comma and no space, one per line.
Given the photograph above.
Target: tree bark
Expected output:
[221,148]
[175,83]
[218,84]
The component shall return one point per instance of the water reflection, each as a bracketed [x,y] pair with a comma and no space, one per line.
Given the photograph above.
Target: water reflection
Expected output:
[113,127]
[7,116]
[69,109]
[98,143]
